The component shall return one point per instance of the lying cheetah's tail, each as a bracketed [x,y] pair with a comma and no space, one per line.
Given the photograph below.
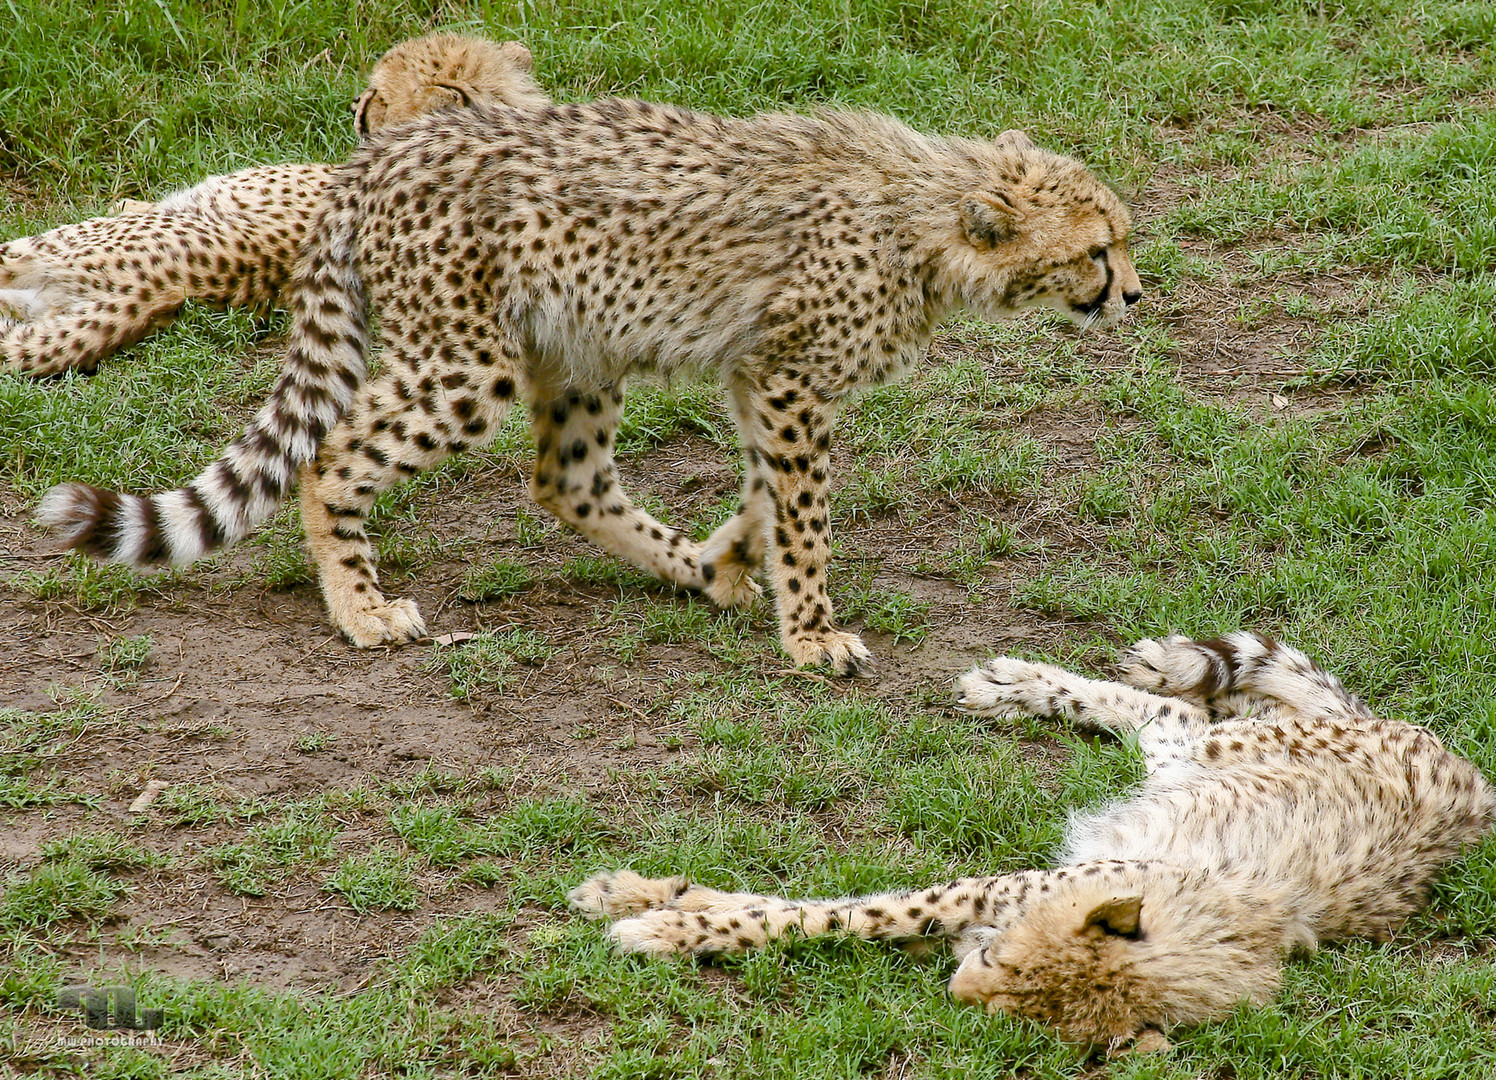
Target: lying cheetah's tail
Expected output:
[1237,664]
[324,366]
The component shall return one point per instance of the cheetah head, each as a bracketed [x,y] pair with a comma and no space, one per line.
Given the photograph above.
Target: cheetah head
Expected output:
[1093,965]
[444,70]
[1040,231]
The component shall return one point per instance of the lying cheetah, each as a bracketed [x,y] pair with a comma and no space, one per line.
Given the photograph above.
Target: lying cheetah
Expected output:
[72,296]
[1277,813]
[547,254]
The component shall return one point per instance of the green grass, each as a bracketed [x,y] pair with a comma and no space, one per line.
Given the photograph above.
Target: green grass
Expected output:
[272,851]
[491,660]
[381,880]
[1320,167]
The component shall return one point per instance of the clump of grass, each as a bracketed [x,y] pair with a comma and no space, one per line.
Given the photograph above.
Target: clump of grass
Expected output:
[124,654]
[445,838]
[92,586]
[106,850]
[500,578]
[195,805]
[382,880]
[606,570]
[312,742]
[55,893]
[490,661]
[271,852]
[888,611]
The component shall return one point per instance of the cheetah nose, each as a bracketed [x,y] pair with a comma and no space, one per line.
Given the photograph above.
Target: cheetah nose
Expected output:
[1131,298]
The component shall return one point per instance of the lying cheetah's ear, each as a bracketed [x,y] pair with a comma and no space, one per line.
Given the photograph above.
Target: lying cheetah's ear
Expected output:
[1118,916]
[1013,139]
[443,94]
[518,55]
[368,113]
[989,218]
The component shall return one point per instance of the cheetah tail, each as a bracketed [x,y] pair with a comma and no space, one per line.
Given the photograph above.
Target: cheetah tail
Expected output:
[325,364]
[1258,665]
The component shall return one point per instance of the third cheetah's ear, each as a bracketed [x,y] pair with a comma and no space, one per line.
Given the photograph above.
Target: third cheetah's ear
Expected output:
[989,218]
[1119,916]
[368,113]
[444,94]
[1013,139]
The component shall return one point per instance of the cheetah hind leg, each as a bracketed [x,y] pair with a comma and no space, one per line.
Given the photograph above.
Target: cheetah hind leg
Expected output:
[734,552]
[378,443]
[349,584]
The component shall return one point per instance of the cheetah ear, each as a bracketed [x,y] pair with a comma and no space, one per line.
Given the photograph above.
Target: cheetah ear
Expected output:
[450,94]
[369,112]
[989,218]
[518,55]
[1118,916]
[1013,139]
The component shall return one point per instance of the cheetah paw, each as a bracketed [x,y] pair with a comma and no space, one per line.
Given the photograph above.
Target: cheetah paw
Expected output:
[730,584]
[727,569]
[393,623]
[653,933]
[844,653]
[612,895]
[1166,667]
[1148,1041]
[1005,688]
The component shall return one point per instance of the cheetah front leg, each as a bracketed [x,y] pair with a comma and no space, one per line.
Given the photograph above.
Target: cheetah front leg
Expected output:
[794,452]
[575,479]
[1166,727]
[661,916]
[734,553]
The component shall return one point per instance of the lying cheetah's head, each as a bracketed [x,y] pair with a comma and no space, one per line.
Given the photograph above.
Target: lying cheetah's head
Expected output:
[1092,964]
[1040,231]
[442,70]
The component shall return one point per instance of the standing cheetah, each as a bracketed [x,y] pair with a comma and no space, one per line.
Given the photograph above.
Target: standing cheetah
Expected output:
[1277,813]
[547,254]
[72,296]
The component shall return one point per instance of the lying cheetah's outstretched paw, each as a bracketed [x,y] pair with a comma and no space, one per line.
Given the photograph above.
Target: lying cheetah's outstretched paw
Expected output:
[1008,688]
[659,933]
[623,892]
